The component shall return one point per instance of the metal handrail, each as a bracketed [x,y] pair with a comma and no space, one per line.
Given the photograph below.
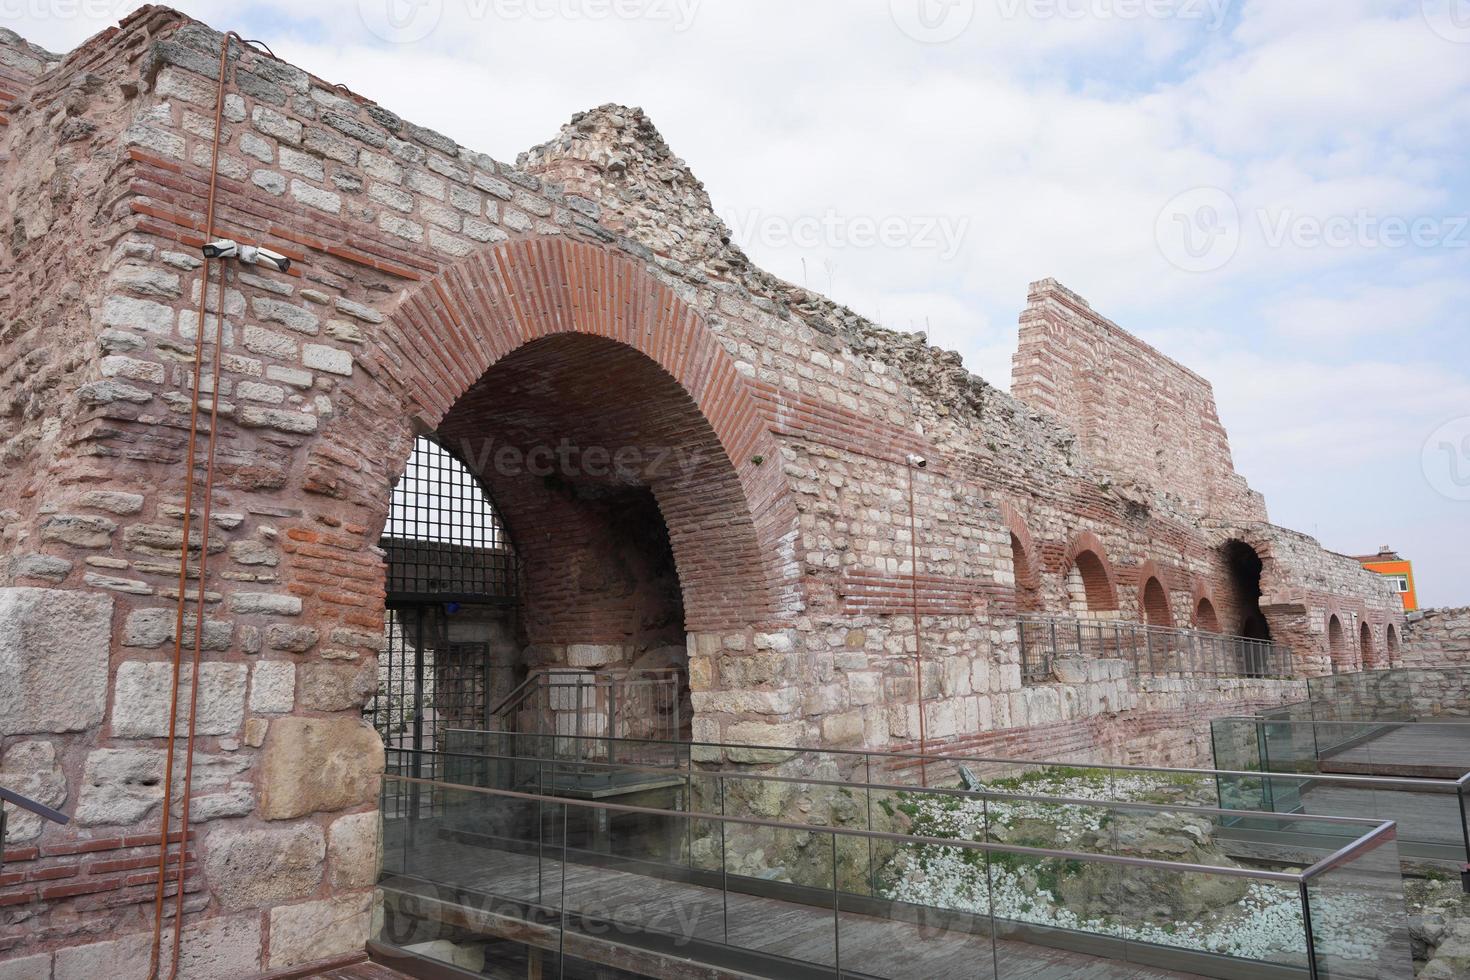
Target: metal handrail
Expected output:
[1146,645]
[25,803]
[1398,782]
[1381,832]
[998,796]
[39,809]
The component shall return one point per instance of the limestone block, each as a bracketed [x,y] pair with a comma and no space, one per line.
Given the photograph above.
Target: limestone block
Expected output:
[755,733]
[329,687]
[53,660]
[845,729]
[273,687]
[312,765]
[220,947]
[144,690]
[594,654]
[259,868]
[27,967]
[47,567]
[30,769]
[319,930]
[155,627]
[124,786]
[352,851]
[265,602]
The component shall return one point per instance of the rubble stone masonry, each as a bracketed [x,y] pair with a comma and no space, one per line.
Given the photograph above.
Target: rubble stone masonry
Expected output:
[587,293]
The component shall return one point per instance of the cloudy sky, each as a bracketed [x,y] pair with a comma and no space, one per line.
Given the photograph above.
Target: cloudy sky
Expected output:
[1275,192]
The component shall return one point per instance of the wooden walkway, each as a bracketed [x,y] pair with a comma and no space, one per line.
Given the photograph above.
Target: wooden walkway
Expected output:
[1429,750]
[622,905]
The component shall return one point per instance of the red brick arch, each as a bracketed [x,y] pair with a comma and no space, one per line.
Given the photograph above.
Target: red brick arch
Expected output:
[1153,596]
[1090,558]
[1206,611]
[1026,559]
[728,527]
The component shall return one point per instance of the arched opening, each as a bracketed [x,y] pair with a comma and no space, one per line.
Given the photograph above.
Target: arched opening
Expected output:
[1337,645]
[450,648]
[1368,655]
[1156,604]
[1028,590]
[1024,560]
[622,446]
[1205,617]
[1089,584]
[1391,642]
[1244,567]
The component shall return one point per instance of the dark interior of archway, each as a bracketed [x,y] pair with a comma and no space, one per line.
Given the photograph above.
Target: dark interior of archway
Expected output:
[1095,582]
[629,521]
[1245,568]
[1156,604]
[1205,616]
[1028,591]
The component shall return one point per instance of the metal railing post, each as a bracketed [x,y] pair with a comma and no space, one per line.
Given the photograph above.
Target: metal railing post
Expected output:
[1307,928]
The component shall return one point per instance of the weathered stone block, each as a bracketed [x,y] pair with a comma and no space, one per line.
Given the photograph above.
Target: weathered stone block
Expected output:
[330,687]
[265,602]
[155,627]
[144,690]
[53,660]
[121,787]
[79,530]
[312,765]
[47,567]
[273,687]
[258,868]
[319,930]
[352,851]
[30,769]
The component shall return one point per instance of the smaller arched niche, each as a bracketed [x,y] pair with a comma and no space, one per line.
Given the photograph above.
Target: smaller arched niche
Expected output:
[1205,616]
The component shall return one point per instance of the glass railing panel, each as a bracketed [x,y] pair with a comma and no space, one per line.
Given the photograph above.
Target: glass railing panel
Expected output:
[1161,913]
[780,895]
[1357,921]
[461,865]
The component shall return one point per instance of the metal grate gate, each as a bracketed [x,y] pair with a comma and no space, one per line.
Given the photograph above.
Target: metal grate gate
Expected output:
[447,556]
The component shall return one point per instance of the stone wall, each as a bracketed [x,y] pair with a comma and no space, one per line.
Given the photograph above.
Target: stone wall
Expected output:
[588,298]
[1437,638]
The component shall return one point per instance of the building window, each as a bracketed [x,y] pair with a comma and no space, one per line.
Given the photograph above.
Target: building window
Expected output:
[1400,582]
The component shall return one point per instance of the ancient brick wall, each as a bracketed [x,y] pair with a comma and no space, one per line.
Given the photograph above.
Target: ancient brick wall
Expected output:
[1144,416]
[588,296]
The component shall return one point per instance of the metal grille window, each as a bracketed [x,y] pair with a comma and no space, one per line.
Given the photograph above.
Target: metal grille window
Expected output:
[443,538]
[448,560]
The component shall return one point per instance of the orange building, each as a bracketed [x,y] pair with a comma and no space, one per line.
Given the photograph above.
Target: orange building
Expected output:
[1391,566]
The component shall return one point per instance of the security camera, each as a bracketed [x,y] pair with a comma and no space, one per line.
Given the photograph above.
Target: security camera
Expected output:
[227,248]
[223,248]
[256,255]
[918,462]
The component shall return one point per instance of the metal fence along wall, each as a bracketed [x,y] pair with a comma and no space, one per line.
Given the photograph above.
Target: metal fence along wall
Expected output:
[1149,650]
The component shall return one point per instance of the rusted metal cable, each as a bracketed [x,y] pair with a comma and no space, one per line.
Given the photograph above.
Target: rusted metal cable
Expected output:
[918,632]
[155,955]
